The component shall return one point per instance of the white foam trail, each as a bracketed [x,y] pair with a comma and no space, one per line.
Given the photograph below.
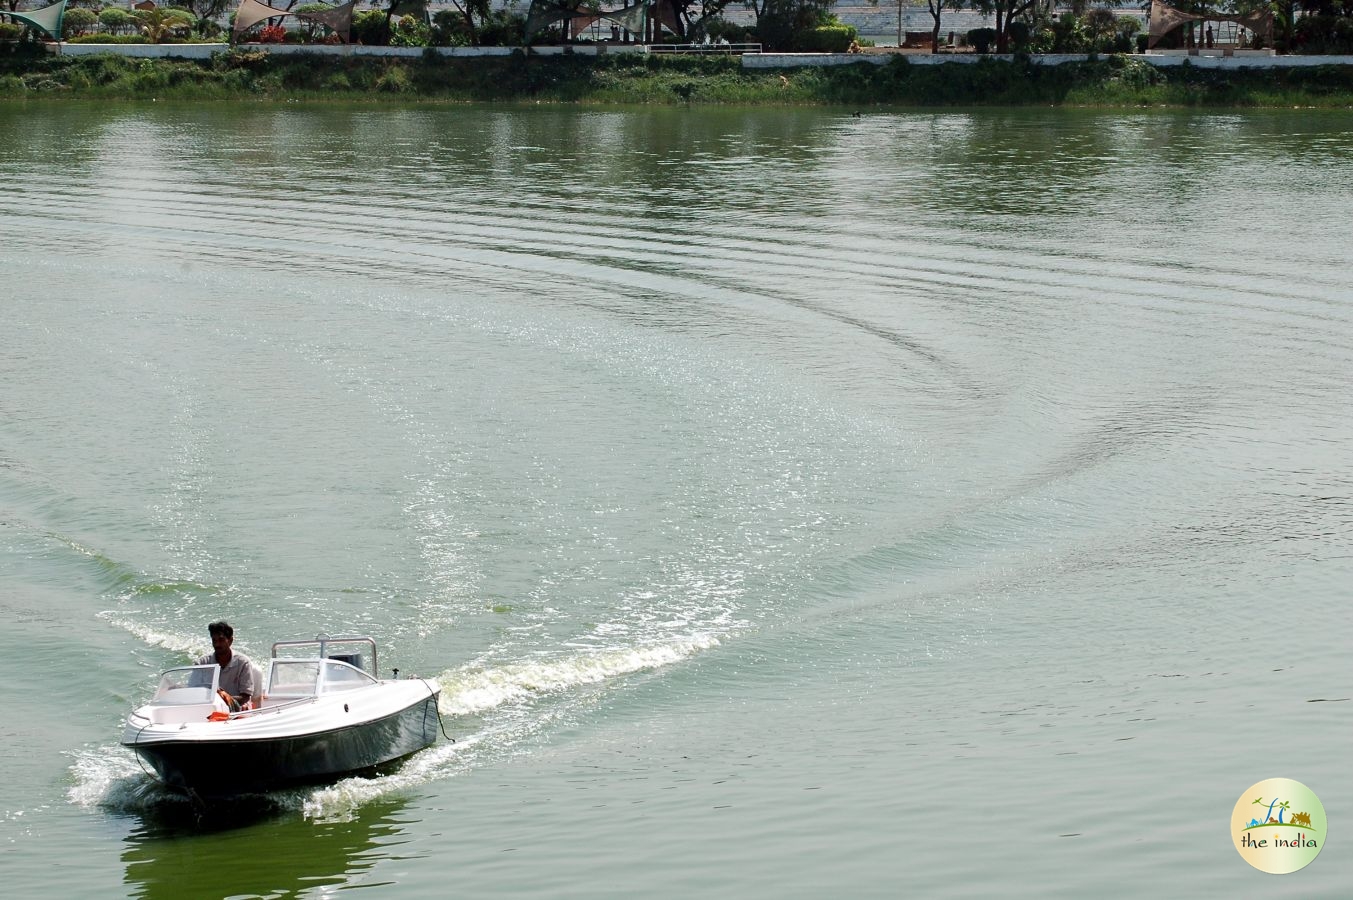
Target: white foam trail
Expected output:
[474,691]
[110,776]
[339,802]
[189,646]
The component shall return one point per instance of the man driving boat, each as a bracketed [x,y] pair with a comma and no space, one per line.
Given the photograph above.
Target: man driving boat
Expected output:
[240,682]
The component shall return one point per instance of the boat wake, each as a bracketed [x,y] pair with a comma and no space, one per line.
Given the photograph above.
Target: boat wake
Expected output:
[476,690]
[166,640]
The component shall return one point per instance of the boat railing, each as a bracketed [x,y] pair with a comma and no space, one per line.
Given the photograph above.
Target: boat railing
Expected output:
[323,641]
[277,707]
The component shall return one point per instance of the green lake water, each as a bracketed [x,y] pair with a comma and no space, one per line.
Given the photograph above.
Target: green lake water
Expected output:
[789,503]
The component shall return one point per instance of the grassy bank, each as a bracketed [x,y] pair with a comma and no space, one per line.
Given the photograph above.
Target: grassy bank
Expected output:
[634,79]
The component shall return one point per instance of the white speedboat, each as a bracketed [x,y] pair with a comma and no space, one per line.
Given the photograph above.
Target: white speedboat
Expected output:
[324,715]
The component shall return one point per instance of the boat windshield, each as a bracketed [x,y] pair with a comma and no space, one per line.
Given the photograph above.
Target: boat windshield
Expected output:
[190,684]
[339,676]
[294,678]
[302,677]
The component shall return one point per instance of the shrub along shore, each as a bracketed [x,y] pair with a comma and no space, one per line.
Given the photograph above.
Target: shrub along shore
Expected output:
[242,75]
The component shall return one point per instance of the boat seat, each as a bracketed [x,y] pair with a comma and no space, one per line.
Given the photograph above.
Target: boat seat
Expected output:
[177,714]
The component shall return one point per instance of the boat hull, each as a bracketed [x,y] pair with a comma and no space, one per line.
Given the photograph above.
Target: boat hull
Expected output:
[256,764]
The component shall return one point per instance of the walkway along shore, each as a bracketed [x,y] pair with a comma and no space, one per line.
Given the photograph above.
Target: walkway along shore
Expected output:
[1243,60]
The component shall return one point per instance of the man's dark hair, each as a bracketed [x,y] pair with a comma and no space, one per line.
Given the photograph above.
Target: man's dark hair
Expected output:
[222,628]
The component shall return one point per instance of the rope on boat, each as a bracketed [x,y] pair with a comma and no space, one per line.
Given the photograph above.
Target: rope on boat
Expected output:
[437,706]
[140,762]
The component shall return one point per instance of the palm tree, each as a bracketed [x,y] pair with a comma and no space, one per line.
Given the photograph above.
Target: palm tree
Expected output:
[1281,807]
[158,25]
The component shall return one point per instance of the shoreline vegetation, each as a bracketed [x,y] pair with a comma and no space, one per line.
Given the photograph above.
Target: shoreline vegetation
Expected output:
[1115,81]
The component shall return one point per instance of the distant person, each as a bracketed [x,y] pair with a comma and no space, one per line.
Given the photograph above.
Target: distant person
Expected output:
[241,682]
[1209,37]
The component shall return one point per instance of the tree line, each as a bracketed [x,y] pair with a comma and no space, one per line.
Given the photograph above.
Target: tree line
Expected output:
[1033,26]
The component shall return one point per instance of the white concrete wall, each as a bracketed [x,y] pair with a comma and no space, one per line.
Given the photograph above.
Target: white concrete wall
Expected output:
[1248,62]
[472,52]
[800,60]
[205,51]
[141,51]
[333,50]
[589,49]
[749,60]
[1215,51]
[809,60]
